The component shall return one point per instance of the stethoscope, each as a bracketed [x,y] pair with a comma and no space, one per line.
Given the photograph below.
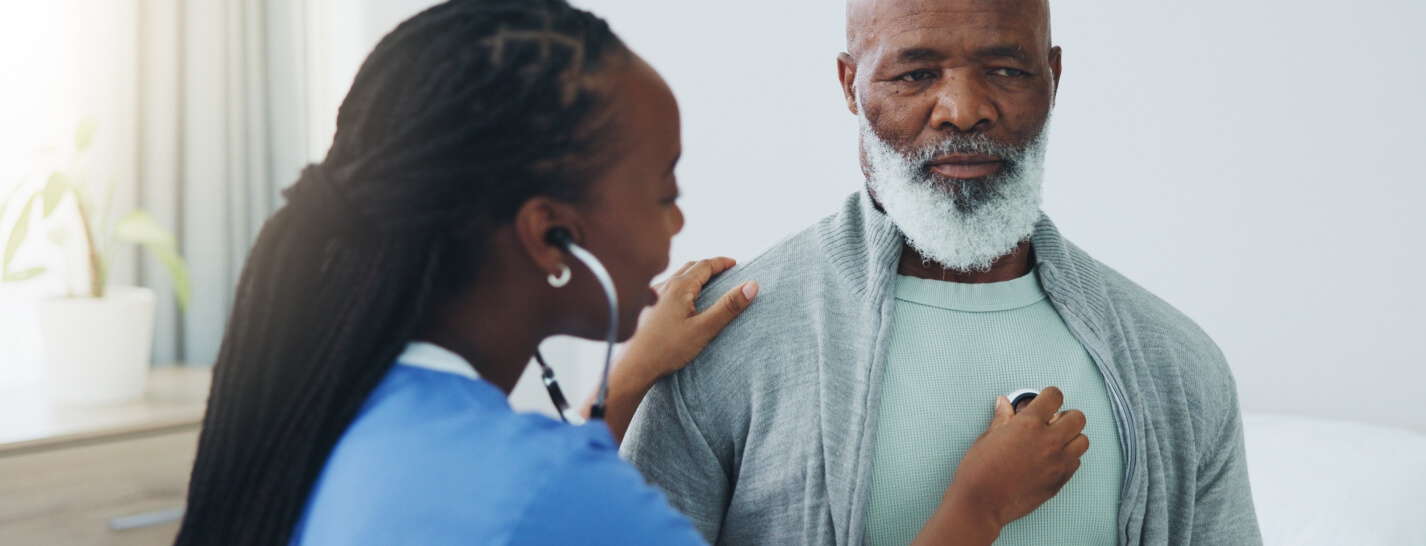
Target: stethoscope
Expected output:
[561,237]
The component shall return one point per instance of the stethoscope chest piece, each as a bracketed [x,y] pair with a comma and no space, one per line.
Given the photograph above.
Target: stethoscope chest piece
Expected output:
[1022,396]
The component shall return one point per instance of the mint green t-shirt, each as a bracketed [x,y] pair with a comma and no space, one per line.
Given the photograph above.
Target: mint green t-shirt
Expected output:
[954,348]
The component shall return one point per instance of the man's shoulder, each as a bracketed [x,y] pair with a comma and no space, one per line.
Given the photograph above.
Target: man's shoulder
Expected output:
[1175,351]
[783,262]
[795,263]
[1157,321]
[772,342]
[1140,328]
[794,279]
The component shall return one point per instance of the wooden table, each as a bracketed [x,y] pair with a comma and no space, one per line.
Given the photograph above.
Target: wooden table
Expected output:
[112,476]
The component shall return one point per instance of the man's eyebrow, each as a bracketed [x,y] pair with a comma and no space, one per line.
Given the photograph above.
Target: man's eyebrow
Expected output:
[915,54]
[1014,52]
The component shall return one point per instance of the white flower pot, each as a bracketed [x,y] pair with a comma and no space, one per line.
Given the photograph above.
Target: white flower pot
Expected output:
[97,350]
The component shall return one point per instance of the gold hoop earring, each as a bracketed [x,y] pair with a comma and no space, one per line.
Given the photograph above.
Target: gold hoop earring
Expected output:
[563,277]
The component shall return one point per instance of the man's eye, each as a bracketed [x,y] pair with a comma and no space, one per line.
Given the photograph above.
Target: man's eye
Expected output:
[918,75]
[1008,72]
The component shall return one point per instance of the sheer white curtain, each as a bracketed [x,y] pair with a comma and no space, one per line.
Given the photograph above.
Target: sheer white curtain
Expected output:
[225,97]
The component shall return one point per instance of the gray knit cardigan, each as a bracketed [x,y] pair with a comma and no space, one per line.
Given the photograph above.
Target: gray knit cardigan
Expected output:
[768,436]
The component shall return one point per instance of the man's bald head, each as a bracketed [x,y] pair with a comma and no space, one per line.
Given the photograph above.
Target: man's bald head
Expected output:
[866,17]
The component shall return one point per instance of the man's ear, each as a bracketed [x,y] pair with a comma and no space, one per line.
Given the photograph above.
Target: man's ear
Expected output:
[532,225]
[1056,69]
[847,74]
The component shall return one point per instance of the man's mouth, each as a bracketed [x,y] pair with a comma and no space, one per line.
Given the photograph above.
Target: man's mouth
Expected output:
[965,166]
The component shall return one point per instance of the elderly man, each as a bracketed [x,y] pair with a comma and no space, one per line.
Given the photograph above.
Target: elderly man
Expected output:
[836,409]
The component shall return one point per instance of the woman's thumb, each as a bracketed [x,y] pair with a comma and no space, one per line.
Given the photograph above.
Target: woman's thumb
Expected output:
[1004,412]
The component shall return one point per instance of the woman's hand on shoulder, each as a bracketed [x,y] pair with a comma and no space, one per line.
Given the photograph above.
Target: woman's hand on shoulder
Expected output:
[671,334]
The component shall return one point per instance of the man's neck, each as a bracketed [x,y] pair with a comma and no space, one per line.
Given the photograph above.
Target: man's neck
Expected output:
[1009,267]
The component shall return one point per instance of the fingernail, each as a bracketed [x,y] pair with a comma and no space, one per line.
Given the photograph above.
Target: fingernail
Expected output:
[999,402]
[750,290]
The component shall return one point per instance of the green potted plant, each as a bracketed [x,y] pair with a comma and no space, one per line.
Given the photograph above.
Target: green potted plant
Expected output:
[97,341]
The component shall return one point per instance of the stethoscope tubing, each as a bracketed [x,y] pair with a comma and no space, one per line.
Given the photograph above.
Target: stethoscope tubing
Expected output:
[611,337]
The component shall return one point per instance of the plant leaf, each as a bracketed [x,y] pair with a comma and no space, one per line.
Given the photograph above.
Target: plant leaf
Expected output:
[5,205]
[100,270]
[58,235]
[84,135]
[104,215]
[25,275]
[177,269]
[139,227]
[18,234]
[78,187]
[54,191]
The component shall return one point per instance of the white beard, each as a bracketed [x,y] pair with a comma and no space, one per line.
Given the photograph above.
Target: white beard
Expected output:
[966,229]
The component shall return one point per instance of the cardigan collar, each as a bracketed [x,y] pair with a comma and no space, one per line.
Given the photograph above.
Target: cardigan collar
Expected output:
[865,246]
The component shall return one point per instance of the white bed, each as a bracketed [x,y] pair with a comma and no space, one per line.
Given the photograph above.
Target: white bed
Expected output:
[1338,483]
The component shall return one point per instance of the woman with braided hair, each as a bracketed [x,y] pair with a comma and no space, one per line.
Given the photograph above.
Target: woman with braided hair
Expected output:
[385,313]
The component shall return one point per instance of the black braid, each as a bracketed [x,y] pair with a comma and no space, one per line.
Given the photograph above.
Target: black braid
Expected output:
[460,114]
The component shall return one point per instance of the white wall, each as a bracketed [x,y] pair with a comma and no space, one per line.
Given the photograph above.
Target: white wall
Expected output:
[1250,161]
[1254,163]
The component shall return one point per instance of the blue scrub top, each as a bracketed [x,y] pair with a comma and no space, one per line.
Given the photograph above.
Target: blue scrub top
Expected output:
[437,456]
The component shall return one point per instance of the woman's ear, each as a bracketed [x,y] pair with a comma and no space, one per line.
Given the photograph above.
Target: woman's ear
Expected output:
[533,223]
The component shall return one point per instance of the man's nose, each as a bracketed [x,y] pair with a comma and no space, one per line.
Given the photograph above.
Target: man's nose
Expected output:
[963,104]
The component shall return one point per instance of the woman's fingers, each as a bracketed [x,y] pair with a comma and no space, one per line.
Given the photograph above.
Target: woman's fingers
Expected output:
[698,274]
[1070,421]
[1078,446]
[1003,413]
[1070,469]
[728,307]
[1044,406]
[683,269]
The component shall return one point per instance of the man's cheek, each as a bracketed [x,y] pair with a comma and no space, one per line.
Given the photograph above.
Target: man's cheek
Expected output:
[898,124]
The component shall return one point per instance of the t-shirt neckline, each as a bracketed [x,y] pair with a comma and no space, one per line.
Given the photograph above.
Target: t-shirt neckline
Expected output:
[976,298]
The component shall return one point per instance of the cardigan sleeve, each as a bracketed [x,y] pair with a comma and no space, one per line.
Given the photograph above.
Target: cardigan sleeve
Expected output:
[670,449]
[1223,510]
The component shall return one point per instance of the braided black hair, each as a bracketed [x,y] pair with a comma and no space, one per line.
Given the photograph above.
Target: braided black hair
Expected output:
[459,116]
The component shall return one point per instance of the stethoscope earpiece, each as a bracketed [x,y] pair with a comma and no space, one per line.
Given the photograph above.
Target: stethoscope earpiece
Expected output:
[559,237]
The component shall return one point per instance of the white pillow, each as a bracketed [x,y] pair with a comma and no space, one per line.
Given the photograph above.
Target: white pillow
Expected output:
[1319,481]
